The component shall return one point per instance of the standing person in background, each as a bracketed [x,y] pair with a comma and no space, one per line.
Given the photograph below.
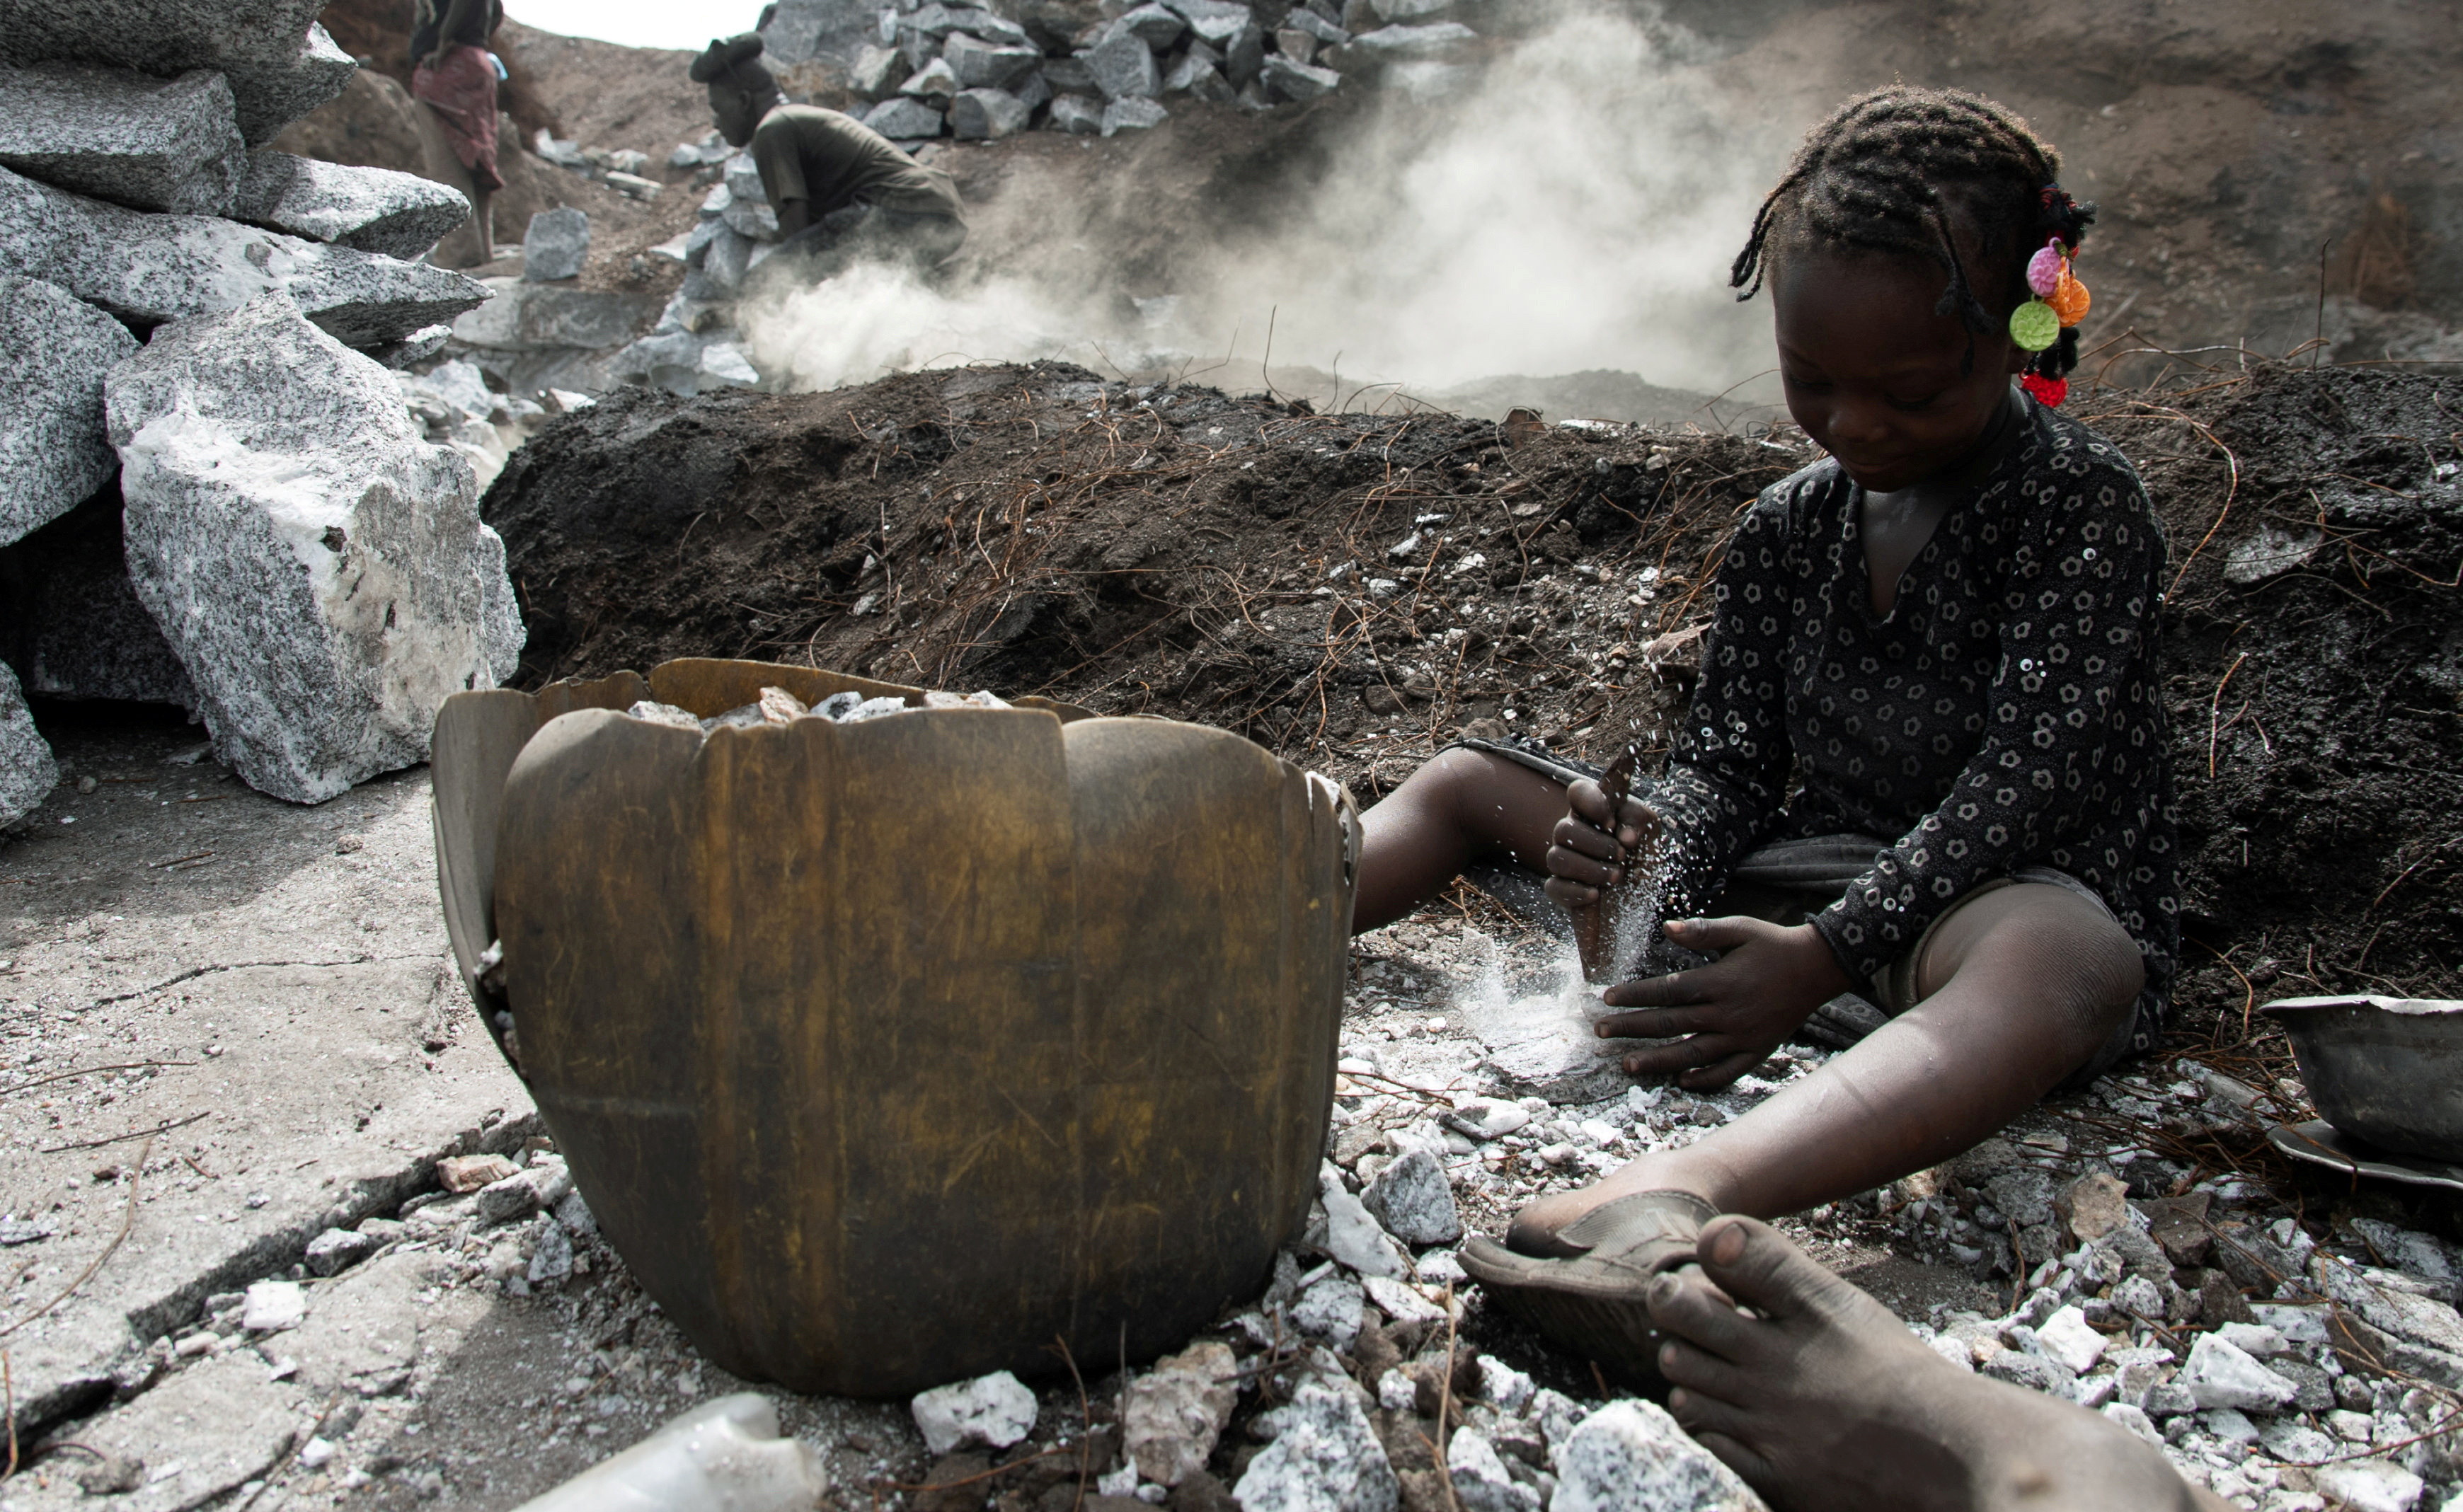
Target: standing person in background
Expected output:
[841,190]
[455,79]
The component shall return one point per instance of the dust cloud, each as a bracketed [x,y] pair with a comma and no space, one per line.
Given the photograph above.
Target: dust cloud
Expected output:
[1572,204]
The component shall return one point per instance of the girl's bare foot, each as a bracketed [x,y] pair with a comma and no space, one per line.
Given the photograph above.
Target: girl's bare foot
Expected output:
[1820,1398]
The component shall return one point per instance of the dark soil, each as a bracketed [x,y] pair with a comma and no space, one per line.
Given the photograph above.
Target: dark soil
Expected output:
[1178,553]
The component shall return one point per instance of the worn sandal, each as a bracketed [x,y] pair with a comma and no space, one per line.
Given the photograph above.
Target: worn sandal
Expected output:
[1594,1304]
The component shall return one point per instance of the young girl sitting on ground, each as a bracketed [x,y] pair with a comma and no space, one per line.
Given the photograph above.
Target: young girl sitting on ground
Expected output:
[1925,762]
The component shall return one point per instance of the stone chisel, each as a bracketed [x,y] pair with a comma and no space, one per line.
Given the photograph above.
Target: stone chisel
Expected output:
[1595,926]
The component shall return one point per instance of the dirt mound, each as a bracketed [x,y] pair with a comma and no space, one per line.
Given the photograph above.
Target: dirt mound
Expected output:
[1353,589]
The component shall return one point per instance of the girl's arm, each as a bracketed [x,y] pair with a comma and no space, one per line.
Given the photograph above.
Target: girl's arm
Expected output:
[1728,763]
[2073,722]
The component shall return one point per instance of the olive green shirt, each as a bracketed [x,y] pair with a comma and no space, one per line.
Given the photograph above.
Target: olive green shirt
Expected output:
[830,160]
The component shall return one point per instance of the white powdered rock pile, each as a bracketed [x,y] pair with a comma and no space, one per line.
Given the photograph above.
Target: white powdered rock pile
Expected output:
[150,247]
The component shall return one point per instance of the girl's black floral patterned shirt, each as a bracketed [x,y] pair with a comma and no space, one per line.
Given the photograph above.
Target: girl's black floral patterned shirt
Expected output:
[2007,712]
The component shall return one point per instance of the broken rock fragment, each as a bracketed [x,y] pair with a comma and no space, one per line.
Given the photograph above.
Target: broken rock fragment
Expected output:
[1324,1457]
[54,351]
[150,143]
[1178,1410]
[367,209]
[320,569]
[1414,1201]
[992,1412]
[281,63]
[151,268]
[27,771]
[270,94]
[556,246]
[1630,1456]
[468,1173]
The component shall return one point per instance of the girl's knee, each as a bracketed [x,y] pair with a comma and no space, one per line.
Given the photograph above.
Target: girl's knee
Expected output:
[2048,935]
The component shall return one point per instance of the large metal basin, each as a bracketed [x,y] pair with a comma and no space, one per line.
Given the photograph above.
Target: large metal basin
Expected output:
[891,1053]
[2387,1070]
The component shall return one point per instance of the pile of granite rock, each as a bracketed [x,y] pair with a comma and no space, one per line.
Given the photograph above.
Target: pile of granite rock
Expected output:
[210,491]
[935,68]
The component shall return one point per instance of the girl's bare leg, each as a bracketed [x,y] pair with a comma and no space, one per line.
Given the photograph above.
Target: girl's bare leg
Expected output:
[2021,988]
[472,244]
[1461,806]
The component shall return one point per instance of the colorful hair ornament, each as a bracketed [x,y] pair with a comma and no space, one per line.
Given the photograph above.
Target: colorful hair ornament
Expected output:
[2045,269]
[2070,300]
[2048,392]
[2034,326]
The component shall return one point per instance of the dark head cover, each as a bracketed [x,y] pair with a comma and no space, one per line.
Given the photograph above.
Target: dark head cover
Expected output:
[736,62]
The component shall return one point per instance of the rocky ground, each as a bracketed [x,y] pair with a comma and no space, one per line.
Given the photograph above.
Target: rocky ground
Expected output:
[1350,590]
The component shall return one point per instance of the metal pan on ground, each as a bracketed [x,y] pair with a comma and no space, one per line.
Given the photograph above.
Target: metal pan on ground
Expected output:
[2388,1072]
[895,1052]
[2321,1143]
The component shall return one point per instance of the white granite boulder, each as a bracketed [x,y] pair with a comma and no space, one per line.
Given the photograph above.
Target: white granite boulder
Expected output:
[150,143]
[27,771]
[319,568]
[280,64]
[366,210]
[150,268]
[55,349]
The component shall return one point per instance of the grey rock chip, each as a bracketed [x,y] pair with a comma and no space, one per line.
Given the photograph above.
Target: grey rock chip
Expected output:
[1195,75]
[417,347]
[1216,21]
[150,143]
[1630,1456]
[1176,1412]
[993,1411]
[280,64]
[1414,1201]
[1480,1480]
[1298,83]
[980,64]
[2032,1372]
[1156,26]
[2219,1375]
[150,268]
[1068,75]
[550,1254]
[1133,114]
[986,115]
[1124,67]
[874,72]
[935,81]
[367,209]
[803,29]
[337,1250]
[55,349]
[2024,1195]
[1353,1234]
[80,632]
[1081,115]
[1303,19]
[267,96]
[557,246]
[1329,1309]
[1244,55]
[27,773]
[1033,90]
[317,566]
[904,118]
[1324,1457]
[1444,40]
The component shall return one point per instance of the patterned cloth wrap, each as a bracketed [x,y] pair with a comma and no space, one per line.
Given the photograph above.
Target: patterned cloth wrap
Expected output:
[463,91]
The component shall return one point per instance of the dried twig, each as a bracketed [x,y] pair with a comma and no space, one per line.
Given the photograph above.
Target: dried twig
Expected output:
[136,1176]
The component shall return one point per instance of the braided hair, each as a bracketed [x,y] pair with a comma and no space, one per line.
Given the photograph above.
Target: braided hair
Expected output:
[1906,170]
[735,62]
